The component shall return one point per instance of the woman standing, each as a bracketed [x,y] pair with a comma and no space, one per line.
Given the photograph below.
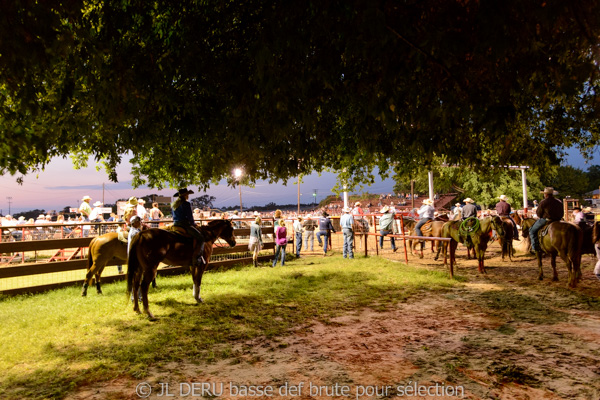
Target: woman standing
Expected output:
[255,244]
[280,242]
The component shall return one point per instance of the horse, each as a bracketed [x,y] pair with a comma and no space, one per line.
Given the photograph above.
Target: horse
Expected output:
[430,229]
[506,240]
[479,238]
[151,247]
[563,239]
[102,250]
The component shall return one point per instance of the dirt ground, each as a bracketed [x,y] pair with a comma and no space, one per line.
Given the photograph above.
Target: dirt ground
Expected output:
[503,335]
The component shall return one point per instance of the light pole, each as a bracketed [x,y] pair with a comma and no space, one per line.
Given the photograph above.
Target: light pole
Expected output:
[238,175]
[9,198]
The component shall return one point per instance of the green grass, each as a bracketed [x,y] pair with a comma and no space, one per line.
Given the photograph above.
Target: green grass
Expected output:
[54,342]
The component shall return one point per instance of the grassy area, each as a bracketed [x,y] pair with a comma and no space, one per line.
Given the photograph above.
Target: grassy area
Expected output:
[56,341]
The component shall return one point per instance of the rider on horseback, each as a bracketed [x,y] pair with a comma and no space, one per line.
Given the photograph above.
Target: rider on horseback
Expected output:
[503,209]
[469,209]
[550,209]
[184,217]
[426,213]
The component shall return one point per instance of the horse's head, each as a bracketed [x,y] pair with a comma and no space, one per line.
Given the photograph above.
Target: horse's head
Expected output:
[227,233]
[498,225]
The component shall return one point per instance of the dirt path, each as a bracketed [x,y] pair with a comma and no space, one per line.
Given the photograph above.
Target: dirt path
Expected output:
[504,335]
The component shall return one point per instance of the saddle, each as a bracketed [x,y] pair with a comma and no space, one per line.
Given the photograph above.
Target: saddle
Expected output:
[181,232]
[427,227]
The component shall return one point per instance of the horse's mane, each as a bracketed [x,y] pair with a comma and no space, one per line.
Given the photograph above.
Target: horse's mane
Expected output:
[596,232]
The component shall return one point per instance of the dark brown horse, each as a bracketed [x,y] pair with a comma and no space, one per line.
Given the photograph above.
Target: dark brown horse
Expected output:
[153,246]
[562,239]
[478,238]
[104,250]
[506,240]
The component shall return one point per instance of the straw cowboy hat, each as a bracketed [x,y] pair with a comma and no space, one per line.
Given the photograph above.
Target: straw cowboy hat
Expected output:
[457,205]
[503,197]
[357,204]
[469,200]
[587,210]
[182,192]
[346,209]
[98,204]
[132,201]
[134,218]
[549,190]
[85,198]
[428,201]
[142,201]
[384,209]
[196,210]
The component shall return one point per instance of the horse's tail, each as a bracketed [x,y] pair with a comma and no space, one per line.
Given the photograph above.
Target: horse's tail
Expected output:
[133,264]
[90,255]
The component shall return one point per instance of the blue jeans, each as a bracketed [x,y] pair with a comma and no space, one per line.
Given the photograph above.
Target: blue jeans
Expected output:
[348,242]
[535,244]
[298,243]
[421,222]
[310,237]
[279,249]
[323,236]
[384,232]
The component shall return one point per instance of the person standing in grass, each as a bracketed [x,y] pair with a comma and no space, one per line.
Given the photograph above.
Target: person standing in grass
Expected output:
[347,222]
[309,225]
[256,243]
[280,242]
[298,234]
[325,229]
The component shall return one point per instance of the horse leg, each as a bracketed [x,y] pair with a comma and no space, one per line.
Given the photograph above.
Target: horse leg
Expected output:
[197,273]
[539,258]
[98,283]
[439,248]
[145,285]
[88,280]
[135,295]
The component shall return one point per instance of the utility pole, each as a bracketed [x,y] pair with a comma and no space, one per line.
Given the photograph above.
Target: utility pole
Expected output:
[314,197]
[9,198]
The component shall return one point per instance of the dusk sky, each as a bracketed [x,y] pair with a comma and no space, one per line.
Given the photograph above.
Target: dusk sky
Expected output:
[61,185]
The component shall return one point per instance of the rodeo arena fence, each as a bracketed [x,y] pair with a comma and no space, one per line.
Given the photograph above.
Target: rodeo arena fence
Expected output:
[37,258]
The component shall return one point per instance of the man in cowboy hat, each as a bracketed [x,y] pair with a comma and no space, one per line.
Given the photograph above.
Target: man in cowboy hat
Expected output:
[503,210]
[550,209]
[347,222]
[141,209]
[183,217]
[325,228]
[426,213]
[386,226]
[469,209]
[85,209]
[457,212]
[357,210]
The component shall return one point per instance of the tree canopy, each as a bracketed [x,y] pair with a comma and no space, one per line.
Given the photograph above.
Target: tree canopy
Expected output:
[194,89]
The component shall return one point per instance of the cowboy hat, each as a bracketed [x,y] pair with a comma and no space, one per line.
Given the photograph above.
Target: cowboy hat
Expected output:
[457,205]
[428,201]
[346,209]
[98,204]
[587,210]
[142,201]
[196,210]
[84,198]
[132,201]
[183,191]
[549,190]
[469,200]
[384,209]
[357,204]
[134,218]
[308,216]
[503,197]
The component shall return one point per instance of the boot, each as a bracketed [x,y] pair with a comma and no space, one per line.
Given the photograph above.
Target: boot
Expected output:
[255,262]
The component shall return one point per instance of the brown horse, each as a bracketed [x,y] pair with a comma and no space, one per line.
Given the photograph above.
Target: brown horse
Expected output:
[506,240]
[563,239]
[479,238]
[153,246]
[103,250]
[430,229]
